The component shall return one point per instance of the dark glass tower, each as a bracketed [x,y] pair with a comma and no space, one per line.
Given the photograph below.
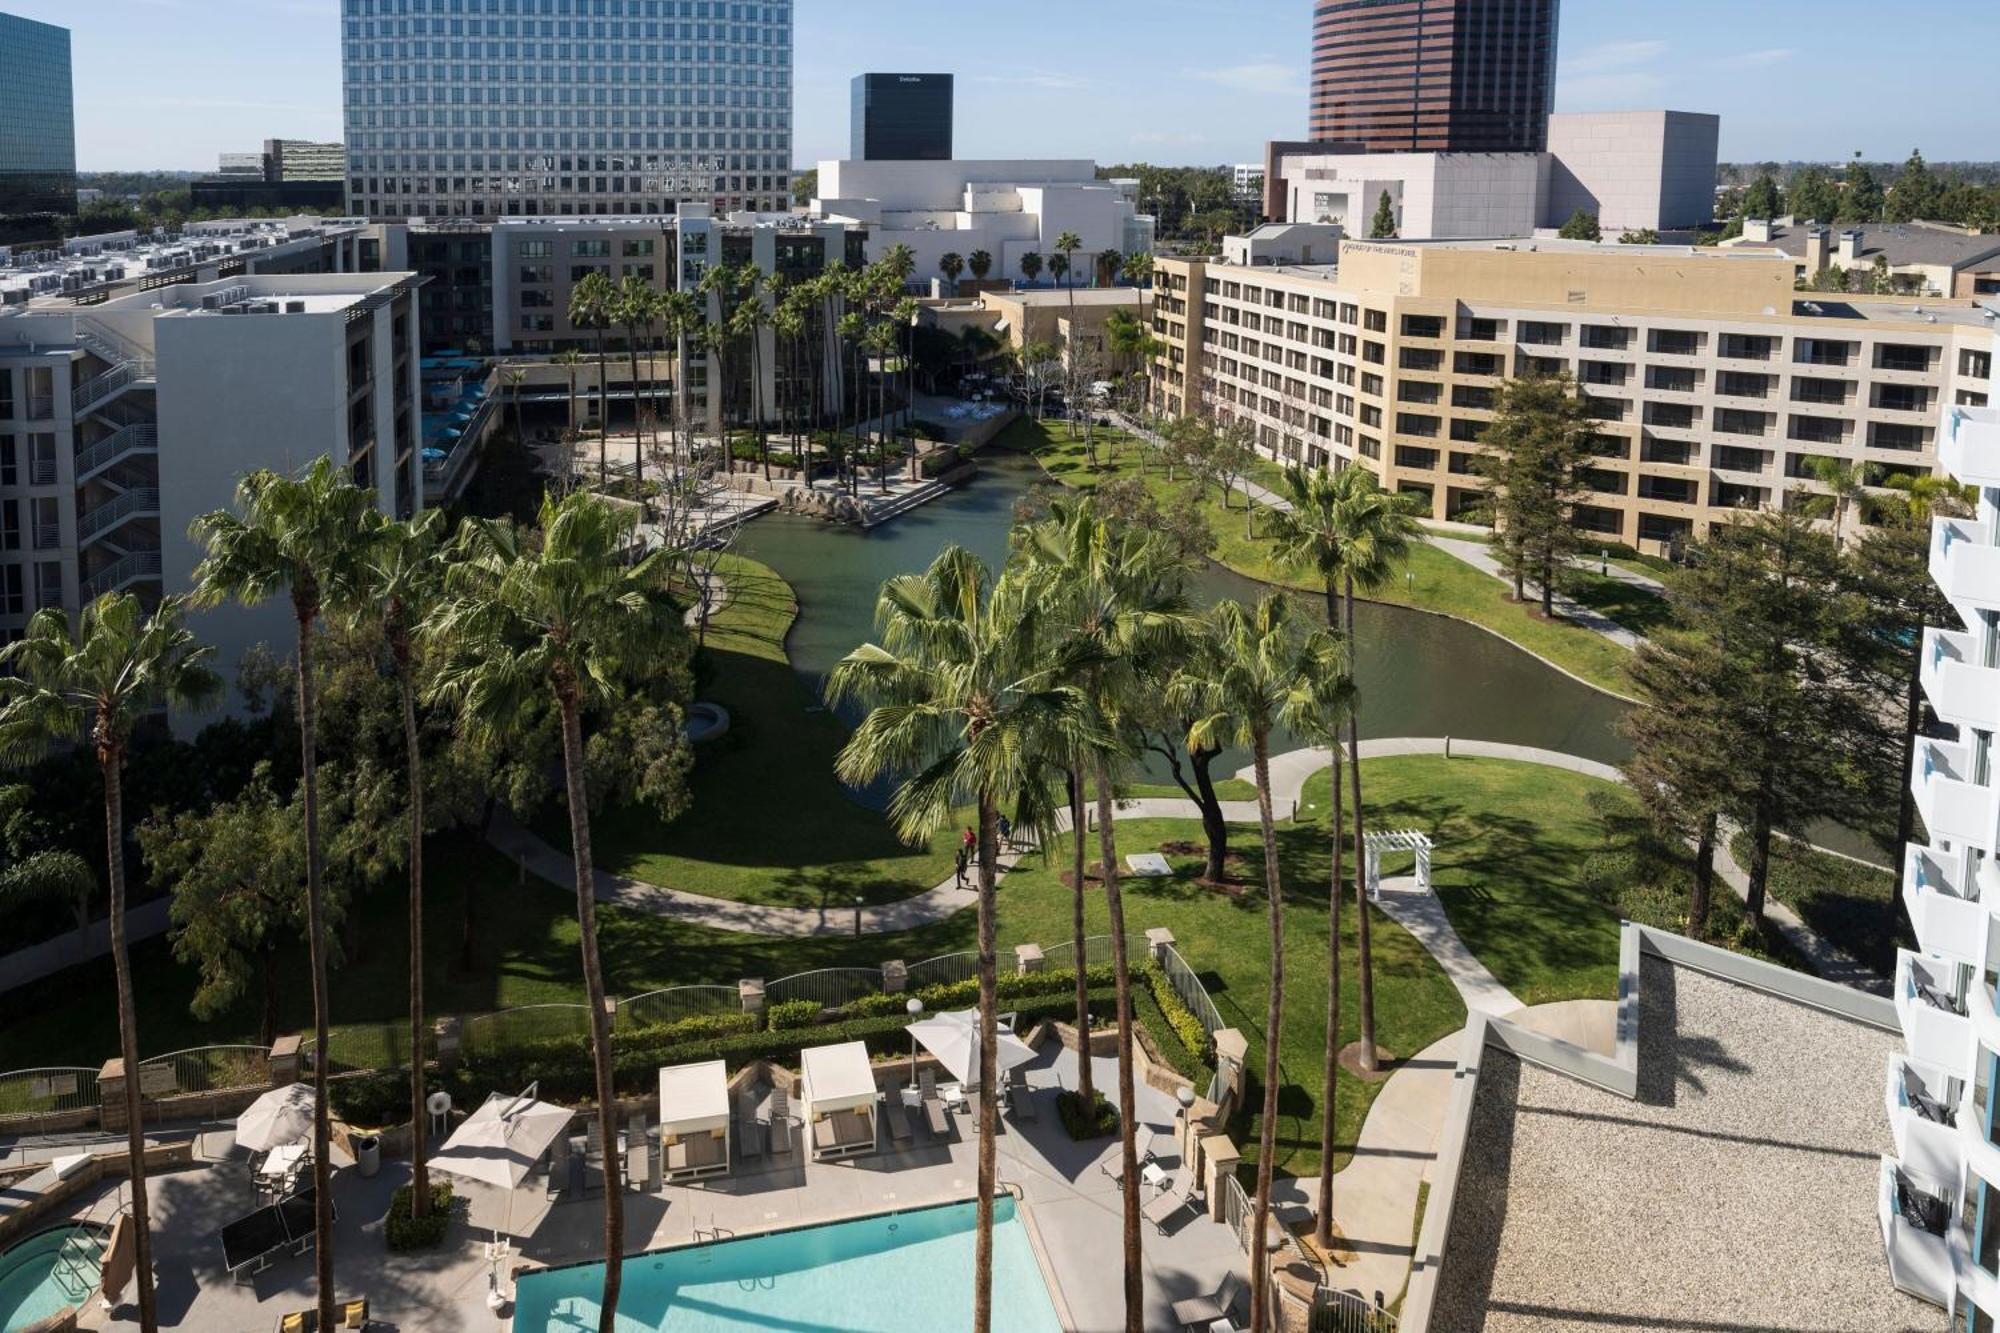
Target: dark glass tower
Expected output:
[37,119]
[1462,76]
[902,118]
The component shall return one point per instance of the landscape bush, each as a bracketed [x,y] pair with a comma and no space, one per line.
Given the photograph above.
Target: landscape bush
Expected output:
[405,1233]
[788,1014]
[1192,1032]
[371,1100]
[1099,1120]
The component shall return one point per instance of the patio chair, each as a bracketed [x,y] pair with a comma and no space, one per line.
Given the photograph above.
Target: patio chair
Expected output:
[1201,1311]
[642,1170]
[780,1118]
[898,1116]
[936,1117]
[562,1169]
[927,1085]
[1163,1207]
[749,1130]
[1020,1097]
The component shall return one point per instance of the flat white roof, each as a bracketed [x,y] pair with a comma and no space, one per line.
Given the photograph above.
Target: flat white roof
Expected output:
[694,1096]
[837,1076]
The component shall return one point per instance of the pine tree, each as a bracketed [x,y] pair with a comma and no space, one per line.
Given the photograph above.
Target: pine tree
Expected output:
[1383,228]
[1535,475]
[1862,201]
[1916,191]
[1582,226]
[1763,199]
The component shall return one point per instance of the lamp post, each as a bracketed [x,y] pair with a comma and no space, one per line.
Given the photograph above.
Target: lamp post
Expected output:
[913,1007]
[1184,1125]
[857,916]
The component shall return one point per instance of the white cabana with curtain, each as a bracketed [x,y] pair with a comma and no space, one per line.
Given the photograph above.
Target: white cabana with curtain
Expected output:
[694,1120]
[837,1093]
[954,1039]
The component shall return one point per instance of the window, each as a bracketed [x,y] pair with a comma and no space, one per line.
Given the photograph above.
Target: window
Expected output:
[1743,384]
[1539,334]
[1375,321]
[1660,528]
[637,249]
[48,584]
[1747,347]
[1677,342]
[1975,365]
[536,249]
[1479,330]
[10,525]
[13,601]
[1418,391]
[1605,337]
[1819,430]
[1806,389]
[10,470]
[1476,363]
[1422,460]
[1735,421]
[1672,416]
[1603,372]
[1902,357]
[1729,458]
[1467,431]
[1669,490]
[6,394]
[578,272]
[1902,398]
[1423,326]
[1427,359]
[1824,352]
[1673,379]
[1605,481]
[1888,435]
[48,524]
[1475,396]
[536,273]
[1412,423]
[590,249]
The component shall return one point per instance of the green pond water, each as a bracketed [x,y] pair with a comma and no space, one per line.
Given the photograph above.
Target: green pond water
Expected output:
[1419,674]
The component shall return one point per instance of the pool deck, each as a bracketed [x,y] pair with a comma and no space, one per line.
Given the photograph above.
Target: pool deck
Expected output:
[1072,1206]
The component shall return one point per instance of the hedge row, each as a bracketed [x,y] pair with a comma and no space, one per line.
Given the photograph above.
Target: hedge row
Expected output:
[1193,1033]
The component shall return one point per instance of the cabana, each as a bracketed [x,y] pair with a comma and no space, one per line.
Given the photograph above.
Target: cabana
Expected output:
[694,1120]
[839,1099]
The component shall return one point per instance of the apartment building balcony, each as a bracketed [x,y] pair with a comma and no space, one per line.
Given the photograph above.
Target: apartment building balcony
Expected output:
[1965,563]
[134,567]
[1945,909]
[1961,691]
[142,438]
[1931,1012]
[1925,1107]
[1953,806]
[106,517]
[1916,1218]
[93,393]
[1969,445]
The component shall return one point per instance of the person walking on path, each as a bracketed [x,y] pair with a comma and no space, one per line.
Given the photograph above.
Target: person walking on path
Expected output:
[1006,832]
[966,843]
[959,868]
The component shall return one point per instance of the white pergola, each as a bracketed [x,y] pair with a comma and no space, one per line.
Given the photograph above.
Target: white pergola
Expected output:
[1397,840]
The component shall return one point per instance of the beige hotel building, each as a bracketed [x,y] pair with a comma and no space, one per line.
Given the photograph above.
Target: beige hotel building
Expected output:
[1712,379]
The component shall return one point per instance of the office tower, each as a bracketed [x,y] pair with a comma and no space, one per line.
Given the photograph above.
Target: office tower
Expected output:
[37,120]
[1471,76]
[901,118]
[479,108]
[303,160]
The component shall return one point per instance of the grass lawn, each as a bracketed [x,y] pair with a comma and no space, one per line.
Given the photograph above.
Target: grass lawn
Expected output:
[1640,610]
[1226,789]
[769,822]
[1853,905]
[1432,581]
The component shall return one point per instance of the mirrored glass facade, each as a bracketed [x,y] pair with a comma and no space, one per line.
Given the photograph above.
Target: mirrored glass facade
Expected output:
[37,119]
[490,108]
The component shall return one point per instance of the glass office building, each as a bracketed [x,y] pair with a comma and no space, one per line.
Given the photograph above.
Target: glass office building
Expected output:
[495,108]
[37,119]
[901,118]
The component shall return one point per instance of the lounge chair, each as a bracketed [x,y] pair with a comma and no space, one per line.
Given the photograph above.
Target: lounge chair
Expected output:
[249,1243]
[749,1130]
[562,1169]
[937,1118]
[349,1315]
[780,1119]
[641,1166]
[1020,1097]
[898,1116]
[1163,1207]
[1201,1311]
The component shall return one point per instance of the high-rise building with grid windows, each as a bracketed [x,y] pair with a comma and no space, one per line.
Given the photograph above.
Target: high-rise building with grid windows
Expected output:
[497,108]
[37,119]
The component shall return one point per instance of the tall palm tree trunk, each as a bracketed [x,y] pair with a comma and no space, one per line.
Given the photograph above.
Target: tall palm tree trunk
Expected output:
[1704,876]
[1274,1016]
[306,607]
[638,435]
[1330,1088]
[593,983]
[1086,1086]
[420,1174]
[1128,1107]
[1362,942]
[111,759]
[989,1059]
[603,414]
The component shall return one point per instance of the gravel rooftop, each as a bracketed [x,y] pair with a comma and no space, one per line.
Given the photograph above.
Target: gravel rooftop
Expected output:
[1737,1192]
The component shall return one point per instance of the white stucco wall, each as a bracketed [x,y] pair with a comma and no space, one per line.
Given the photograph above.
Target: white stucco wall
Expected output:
[1634,169]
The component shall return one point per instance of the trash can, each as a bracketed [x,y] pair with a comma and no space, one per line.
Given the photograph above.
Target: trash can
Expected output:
[367,1154]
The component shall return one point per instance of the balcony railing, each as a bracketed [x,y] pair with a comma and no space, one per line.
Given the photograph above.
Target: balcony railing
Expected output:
[94,459]
[1969,446]
[1924,1109]
[113,512]
[1947,921]
[94,391]
[1936,1027]
[1961,690]
[1915,1217]
[1952,804]
[125,570]
[1966,564]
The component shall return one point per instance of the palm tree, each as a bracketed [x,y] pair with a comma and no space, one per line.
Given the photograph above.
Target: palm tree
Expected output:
[1109,263]
[1115,597]
[562,615]
[951,265]
[882,341]
[900,263]
[1031,266]
[1317,708]
[749,322]
[1266,657]
[904,318]
[789,321]
[590,307]
[1059,270]
[1846,483]
[514,377]
[305,537]
[569,359]
[121,665]
[681,315]
[981,264]
[961,703]
[1345,528]
[399,587]
[632,307]
[1067,245]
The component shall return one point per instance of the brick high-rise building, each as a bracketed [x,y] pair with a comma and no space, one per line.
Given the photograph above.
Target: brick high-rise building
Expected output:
[1456,76]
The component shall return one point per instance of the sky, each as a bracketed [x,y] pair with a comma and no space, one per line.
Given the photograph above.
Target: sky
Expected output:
[169,84]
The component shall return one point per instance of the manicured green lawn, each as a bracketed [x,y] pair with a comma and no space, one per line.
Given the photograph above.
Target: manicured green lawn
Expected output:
[768,822]
[1226,789]
[1432,581]
[1640,610]
[1854,906]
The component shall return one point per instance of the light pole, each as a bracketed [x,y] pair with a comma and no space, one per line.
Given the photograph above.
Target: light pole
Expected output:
[857,916]
[913,1007]
[1185,1126]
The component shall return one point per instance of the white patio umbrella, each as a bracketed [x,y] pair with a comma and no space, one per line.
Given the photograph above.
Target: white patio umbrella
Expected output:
[278,1119]
[499,1144]
[954,1039]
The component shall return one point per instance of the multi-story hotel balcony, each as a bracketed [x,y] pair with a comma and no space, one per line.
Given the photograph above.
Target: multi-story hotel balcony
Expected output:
[1961,691]
[1952,804]
[1969,445]
[1966,564]
[1949,917]
[1925,1105]
[1916,1217]
[1931,1009]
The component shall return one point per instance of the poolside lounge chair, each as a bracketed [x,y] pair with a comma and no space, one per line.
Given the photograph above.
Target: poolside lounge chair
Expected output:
[1163,1207]
[1020,1097]
[350,1314]
[249,1243]
[1201,1311]
[749,1130]
[562,1169]
[642,1167]
[936,1117]
[898,1116]
[780,1119]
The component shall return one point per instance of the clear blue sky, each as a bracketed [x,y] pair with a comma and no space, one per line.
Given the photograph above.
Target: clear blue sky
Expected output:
[170,83]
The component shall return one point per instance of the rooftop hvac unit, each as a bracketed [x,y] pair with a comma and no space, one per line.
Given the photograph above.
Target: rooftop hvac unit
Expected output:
[211,302]
[295,307]
[19,296]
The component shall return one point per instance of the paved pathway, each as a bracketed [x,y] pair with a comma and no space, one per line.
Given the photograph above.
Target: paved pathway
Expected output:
[1419,912]
[1480,558]
[1824,958]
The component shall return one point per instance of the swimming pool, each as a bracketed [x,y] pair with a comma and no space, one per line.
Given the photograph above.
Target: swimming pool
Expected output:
[895,1271]
[43,1275]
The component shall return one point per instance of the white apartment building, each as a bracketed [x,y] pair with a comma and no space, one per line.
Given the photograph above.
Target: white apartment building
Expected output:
[124,420]
[1713,381]
[1246,182]
[472,108]
[1005,208]
[1937,1199]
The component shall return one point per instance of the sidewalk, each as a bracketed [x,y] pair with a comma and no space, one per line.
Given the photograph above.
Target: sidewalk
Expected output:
[1476,555]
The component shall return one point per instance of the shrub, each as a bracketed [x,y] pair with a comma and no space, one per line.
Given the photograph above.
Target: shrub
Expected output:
[371,1100]
[405,1233]
[1193,1033]
[1100,1120]
[789,1014]
[696,1026]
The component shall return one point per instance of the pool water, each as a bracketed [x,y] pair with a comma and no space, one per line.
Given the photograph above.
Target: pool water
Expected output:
[35,1282]
[896,1271]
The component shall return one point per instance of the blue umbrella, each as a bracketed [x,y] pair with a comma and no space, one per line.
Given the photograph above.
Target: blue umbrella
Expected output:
[435,453]
[450,433]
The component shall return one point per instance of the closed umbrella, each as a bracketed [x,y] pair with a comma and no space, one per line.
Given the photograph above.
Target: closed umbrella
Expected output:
[954,1039]
[278,1119]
